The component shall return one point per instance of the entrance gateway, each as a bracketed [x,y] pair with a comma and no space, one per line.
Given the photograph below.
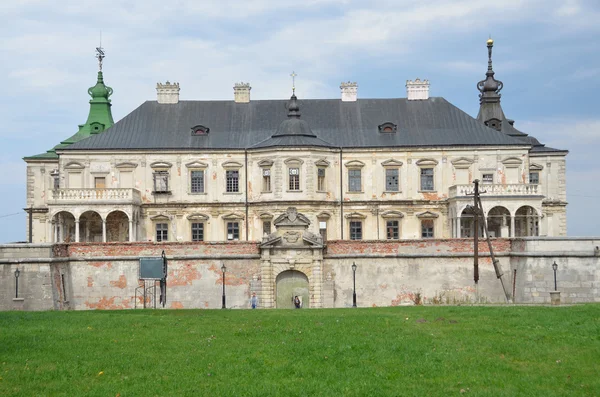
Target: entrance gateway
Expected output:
[290,284]
[291,263]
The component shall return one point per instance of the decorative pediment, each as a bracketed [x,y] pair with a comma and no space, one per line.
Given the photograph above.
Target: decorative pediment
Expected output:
[323,216]
[196,164]
[265,216]
[232,164]
[233,216]
[291,218]
[74,165]
[293,161]
[392,214]
[265,163]
[535,167]
[462,162]
[197,217]
[354,164]
[322,163]
[425,162]
[161,217]
[512,162]
[126,164]
[160,164]
[427,215]
[392,163]
[355,215]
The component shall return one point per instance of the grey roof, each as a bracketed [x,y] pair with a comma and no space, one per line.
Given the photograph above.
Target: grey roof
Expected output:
[432,122]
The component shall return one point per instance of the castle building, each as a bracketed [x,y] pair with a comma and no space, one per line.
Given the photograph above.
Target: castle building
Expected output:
[357,169]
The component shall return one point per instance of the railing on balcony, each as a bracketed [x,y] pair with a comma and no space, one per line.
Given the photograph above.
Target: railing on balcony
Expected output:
[514,189]
[130,196]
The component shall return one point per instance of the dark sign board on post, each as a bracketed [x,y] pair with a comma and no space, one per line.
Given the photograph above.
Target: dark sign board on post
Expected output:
[152,268]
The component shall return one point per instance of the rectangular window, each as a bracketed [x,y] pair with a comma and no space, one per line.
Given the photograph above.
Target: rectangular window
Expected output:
[323,230]
[266,180]
[355,230]
[354,180]
[198,231]
[233,231]
[487,178]
[161,182]
[294,178]
[162,232]
[232,181]
[100,182]
[427,228]
[534,178]
[266,227]
[391,180]
[321,179]
[393,230]
[197,181]
[427,179]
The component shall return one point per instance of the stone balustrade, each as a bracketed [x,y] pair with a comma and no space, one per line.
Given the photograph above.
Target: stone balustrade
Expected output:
[75,196]
[513,189]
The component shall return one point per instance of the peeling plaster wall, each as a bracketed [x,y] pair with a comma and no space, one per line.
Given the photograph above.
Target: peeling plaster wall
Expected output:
[389,273]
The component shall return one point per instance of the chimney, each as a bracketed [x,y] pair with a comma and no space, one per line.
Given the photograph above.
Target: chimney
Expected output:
[167,93]
[417,90]
[349,91]
[241,92]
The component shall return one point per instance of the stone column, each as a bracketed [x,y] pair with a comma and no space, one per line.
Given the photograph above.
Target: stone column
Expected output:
[103,230]
[76,230]
[512,226]
[317,277]
[131,237]
[267,293]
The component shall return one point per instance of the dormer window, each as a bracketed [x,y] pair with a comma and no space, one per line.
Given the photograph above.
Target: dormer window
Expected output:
[388,127]
[200,130]
[494,123]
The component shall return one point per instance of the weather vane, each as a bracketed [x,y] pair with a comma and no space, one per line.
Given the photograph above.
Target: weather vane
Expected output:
[100,53]
[293,75]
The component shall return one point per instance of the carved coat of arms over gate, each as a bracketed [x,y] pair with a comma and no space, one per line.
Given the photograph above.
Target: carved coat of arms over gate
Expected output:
[291,237]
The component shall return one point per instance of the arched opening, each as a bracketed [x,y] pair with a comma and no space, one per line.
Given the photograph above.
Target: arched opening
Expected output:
[90,227]
[526,222]
[117,226]
[64,227]
[498,222]
[467,224]
[289,284]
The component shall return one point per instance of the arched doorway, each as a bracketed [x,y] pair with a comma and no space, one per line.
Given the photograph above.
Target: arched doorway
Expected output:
[64,227]
[526,222]
[498,222]
[467,224]
[291,283]
[117,226]
[90,227]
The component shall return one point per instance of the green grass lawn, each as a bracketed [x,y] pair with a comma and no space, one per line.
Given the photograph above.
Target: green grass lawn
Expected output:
[399,351]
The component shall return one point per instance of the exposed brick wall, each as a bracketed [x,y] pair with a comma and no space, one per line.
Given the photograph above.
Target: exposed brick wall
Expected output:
[346,247]
[155,249]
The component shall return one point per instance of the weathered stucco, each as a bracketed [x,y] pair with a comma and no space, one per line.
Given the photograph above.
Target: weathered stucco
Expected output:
[105,276]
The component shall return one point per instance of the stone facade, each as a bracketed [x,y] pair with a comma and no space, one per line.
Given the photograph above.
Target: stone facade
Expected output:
[123,184]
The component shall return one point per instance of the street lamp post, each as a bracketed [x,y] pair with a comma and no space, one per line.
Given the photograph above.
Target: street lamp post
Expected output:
[353,284]
[554,267]
[17,274]
[223,269]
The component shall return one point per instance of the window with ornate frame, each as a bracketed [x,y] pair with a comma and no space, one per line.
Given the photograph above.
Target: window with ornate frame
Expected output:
[233,230]
[427,224]
[162,232]
[392,224]
[197,231]
[161,177]
[427,174]
[294,170]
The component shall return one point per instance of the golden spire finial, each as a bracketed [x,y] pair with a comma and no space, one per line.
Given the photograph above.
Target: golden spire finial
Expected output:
[490,41]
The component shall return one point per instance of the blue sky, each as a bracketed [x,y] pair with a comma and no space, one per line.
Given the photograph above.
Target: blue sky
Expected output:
[546,52]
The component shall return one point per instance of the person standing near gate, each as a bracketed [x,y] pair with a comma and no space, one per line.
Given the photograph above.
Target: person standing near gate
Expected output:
[297,302]
[254,300]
